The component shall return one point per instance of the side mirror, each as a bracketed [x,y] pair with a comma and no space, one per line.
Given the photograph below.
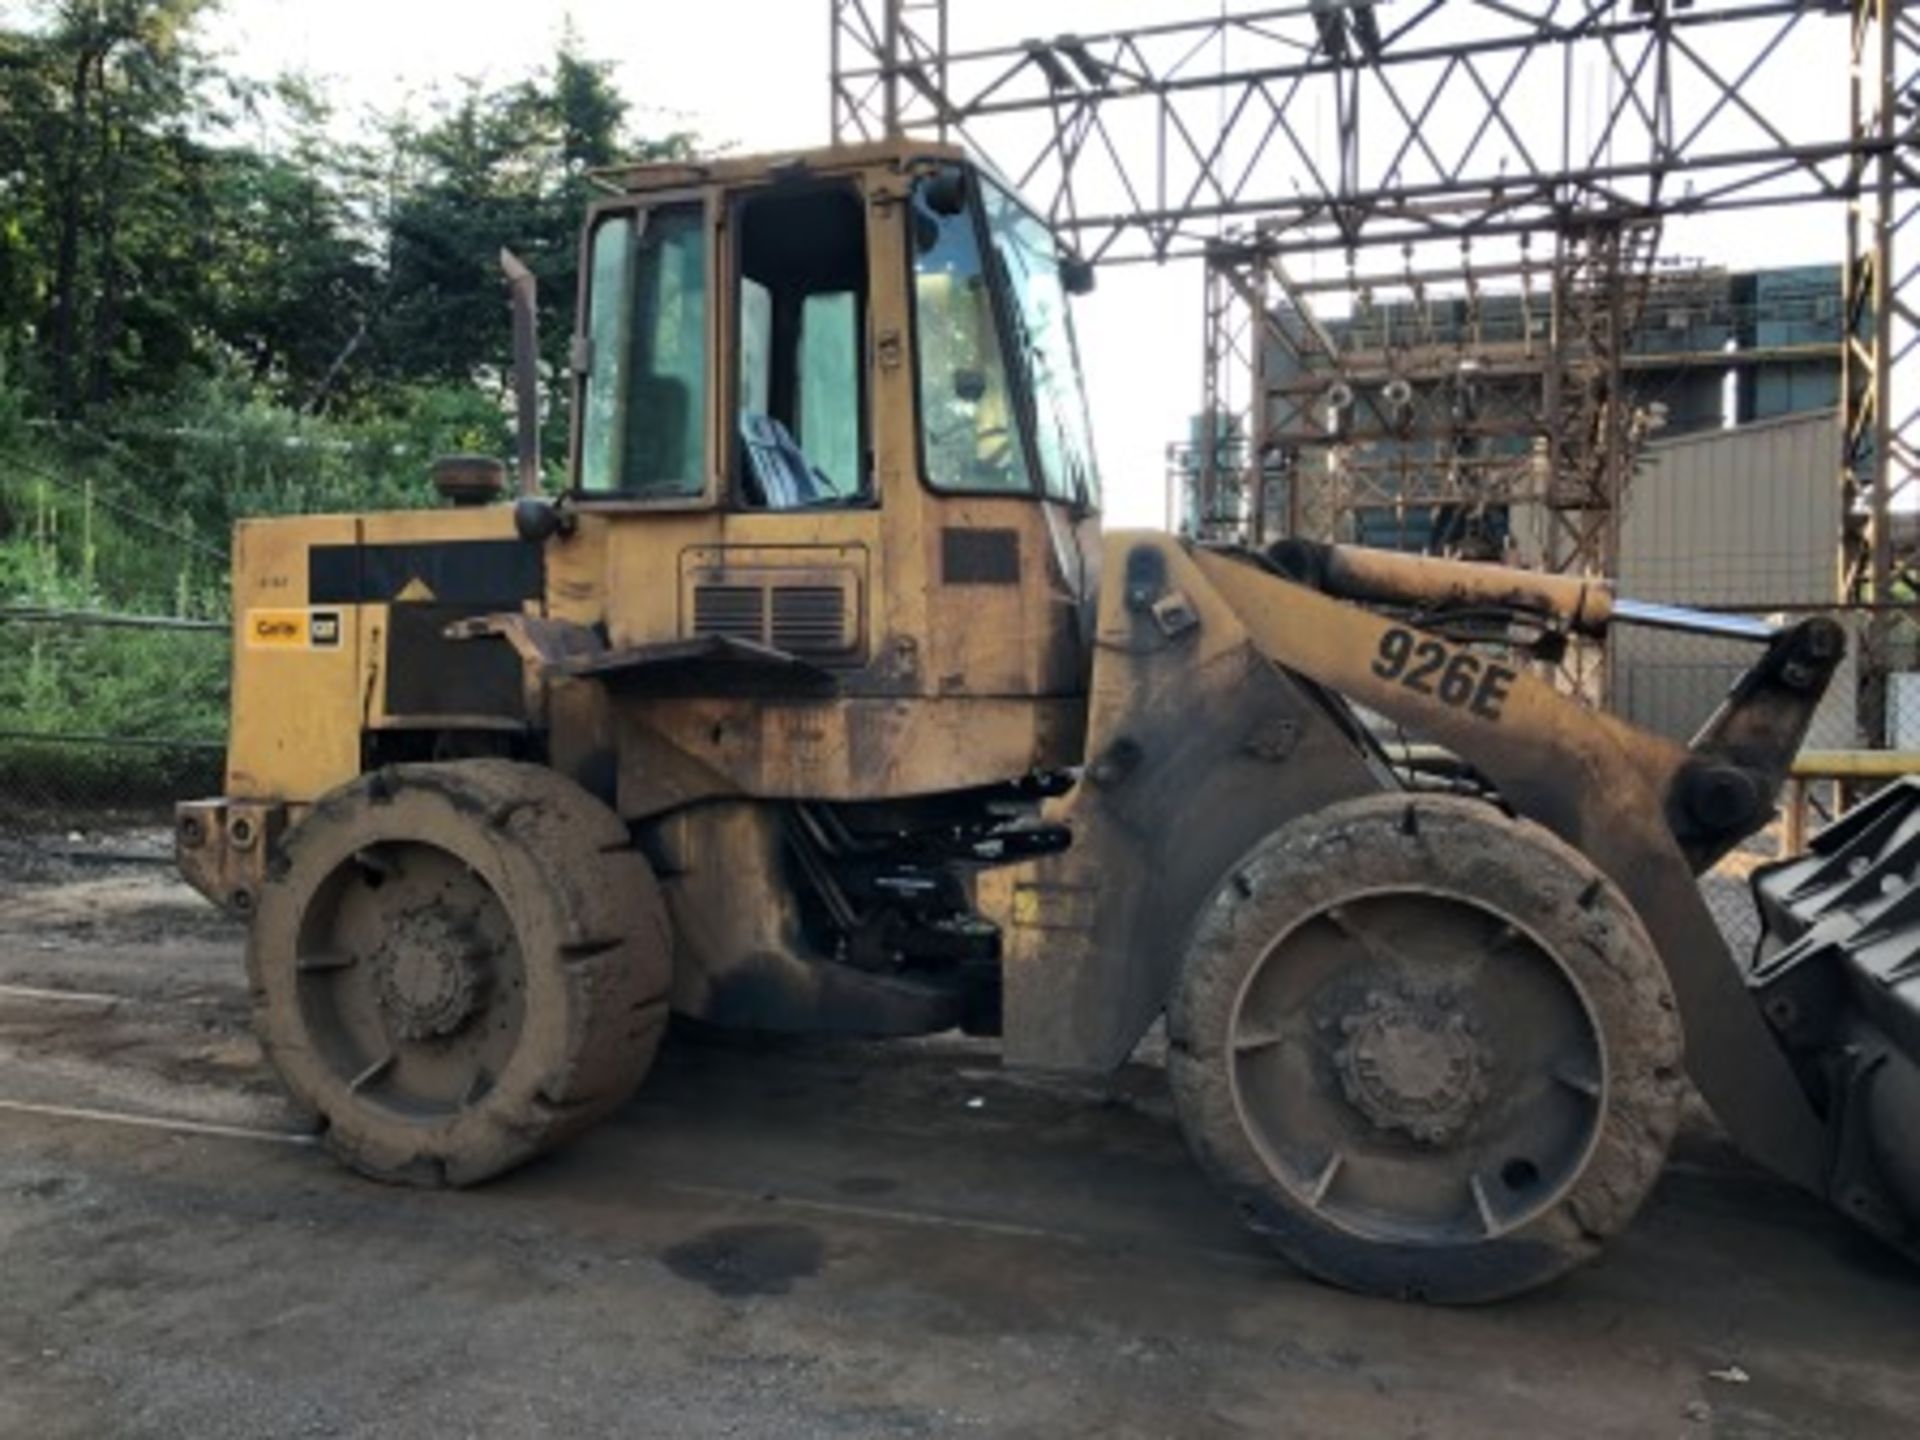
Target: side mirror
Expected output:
[946,192]
[1076,275]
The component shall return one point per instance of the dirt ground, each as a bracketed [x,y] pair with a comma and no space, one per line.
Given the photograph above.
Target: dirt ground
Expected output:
[794,1240]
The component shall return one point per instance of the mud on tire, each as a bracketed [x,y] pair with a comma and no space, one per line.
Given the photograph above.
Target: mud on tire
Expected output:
[1427,1050]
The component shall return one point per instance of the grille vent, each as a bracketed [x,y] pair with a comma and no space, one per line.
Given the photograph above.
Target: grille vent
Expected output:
[809,619]
[736,611]
[799,619]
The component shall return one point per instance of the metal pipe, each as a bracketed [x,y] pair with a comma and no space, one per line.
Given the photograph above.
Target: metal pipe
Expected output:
[1586,605]
[1856,764]
[1655,616]
[108,620]
[1793,817]
[524,295]
[1807,765]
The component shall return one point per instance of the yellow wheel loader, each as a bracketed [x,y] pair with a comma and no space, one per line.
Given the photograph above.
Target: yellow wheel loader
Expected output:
[819,701]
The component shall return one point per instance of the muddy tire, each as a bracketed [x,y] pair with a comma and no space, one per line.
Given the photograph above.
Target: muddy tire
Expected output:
[1428,1051]
[458,966]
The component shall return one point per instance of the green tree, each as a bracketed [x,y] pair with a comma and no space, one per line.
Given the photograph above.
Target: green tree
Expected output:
[501,169]
[122,85]
[228,309]
[292,275]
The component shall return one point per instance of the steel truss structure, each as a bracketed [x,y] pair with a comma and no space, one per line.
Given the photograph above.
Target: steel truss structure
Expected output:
[1880,412]
[1505,393]
[1546,142]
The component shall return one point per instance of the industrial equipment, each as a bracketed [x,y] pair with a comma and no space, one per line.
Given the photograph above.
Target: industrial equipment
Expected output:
[818,701]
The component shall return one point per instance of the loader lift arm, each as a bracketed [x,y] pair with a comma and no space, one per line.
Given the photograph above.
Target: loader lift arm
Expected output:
[1211,660]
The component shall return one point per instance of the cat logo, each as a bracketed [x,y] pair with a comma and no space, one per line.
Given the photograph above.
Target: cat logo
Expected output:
[294,629]
[323,629]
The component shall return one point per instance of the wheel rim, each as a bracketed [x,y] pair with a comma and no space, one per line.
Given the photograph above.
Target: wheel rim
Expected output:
[411,982]
[1417,1067]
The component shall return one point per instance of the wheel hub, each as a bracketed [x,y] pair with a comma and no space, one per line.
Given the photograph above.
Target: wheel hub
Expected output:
[1412,1066]
[431,978]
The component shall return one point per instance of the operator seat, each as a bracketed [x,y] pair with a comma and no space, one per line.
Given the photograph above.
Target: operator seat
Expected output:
[779,475]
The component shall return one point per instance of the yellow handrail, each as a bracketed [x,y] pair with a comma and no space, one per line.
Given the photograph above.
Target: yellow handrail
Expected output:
[1855,764]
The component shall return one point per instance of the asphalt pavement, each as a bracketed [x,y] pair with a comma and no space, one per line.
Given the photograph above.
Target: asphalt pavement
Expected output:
[797,1239]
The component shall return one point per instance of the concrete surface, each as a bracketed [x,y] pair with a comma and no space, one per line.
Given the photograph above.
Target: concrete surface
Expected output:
[796,1240]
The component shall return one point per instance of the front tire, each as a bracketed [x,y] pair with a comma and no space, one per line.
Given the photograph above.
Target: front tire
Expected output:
[458,966]
[1428,1051]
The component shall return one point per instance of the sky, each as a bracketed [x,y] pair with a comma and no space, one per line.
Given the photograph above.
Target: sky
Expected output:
[752,74]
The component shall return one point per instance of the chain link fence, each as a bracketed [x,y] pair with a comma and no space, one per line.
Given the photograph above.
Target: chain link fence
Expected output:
[1671,682]
[107,719]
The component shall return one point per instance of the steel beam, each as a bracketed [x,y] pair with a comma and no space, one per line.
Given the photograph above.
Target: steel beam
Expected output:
[1451,129]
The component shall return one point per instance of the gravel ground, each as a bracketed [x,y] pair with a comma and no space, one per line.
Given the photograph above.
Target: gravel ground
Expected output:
[795,1240]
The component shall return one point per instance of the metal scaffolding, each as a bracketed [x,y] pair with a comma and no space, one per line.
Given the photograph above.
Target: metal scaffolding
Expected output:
[1475,137]
[1880,429]
[1503,391]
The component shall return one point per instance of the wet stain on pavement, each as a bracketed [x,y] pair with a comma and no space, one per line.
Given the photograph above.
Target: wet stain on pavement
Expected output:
[736,1261]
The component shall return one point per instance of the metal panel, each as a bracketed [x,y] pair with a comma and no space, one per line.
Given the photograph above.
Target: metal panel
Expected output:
[1746,518]
[430,677]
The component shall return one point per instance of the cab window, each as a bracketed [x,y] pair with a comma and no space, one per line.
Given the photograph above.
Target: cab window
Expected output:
[800,415]
[644,400]
[968,430]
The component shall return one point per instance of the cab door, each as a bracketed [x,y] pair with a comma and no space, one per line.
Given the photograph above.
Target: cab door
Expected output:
[1004,449]
[795,563]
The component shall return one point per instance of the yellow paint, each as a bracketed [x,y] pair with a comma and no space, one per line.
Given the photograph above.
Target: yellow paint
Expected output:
[1855,764]
[296,726]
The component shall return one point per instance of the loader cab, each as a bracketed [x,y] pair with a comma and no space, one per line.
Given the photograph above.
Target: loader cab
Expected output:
[756,300]
[834,399]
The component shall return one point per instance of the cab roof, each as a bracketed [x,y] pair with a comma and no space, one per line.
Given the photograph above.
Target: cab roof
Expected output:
[746,169]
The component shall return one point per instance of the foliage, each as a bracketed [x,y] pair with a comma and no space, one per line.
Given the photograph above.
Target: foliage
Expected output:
[197,326]
[142,246]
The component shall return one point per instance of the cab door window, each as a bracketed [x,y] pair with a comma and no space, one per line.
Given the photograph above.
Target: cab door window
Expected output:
[802,308]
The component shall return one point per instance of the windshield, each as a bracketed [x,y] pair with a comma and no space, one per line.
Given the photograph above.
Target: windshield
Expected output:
[966,406]
[1028,261]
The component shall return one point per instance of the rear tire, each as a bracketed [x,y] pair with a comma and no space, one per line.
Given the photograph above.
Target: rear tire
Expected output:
[1428,1051]
[458,966]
